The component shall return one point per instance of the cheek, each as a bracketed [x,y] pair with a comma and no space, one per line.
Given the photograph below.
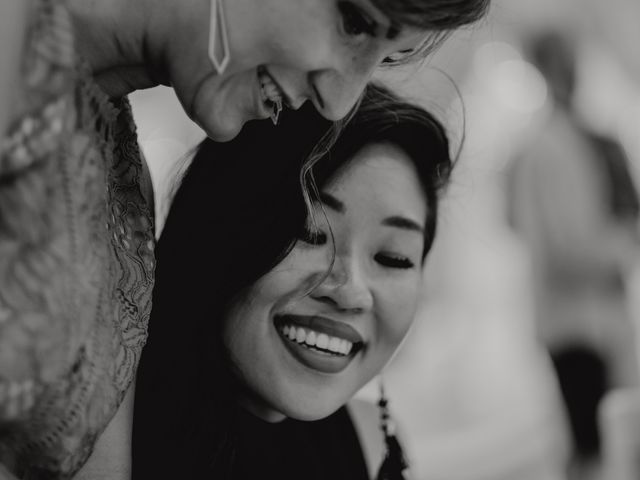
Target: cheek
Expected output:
[397,306]
[288,281]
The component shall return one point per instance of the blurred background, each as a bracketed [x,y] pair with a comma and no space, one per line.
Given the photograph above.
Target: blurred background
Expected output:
[522,364]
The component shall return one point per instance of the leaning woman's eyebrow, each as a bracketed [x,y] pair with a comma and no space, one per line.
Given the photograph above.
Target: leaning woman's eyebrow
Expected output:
[332,202]
[404,223]
[393,29]
[392,32]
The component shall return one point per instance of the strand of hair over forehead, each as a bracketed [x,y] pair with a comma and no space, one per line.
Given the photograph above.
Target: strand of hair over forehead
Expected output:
[308,184]
[438,17]
[310,188]
[323,147]
[433,14]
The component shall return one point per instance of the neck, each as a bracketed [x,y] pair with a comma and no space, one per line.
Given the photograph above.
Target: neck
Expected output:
[112,36]
[259,408]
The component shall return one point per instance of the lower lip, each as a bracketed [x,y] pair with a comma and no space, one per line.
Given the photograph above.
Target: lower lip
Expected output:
[322,362]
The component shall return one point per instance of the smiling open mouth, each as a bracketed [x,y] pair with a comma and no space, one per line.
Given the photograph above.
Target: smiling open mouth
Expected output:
[319,343]
[272,95]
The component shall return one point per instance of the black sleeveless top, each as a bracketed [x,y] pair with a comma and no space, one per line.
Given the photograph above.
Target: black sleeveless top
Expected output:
[326,449]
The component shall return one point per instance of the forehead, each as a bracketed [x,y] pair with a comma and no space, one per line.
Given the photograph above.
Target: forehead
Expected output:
[401,35]
[381,176]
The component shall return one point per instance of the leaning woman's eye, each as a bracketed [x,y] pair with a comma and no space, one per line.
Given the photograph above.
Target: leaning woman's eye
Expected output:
[393,261]
[398,57]
[356,22]
[313,237]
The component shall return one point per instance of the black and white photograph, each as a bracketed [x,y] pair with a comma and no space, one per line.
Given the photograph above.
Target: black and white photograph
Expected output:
[319,239]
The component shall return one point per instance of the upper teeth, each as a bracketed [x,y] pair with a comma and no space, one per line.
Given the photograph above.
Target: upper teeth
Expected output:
[270,90]
[319,340]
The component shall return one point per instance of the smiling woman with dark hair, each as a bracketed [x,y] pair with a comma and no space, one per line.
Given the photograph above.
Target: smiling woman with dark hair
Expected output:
[268,318]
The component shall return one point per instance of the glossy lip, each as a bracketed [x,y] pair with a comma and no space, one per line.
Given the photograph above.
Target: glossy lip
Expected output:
[315,359]
[286,99]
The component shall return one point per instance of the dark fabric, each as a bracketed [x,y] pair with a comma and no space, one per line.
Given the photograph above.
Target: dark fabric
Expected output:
[394,463]
[582,375]
[623,197]
[327,449]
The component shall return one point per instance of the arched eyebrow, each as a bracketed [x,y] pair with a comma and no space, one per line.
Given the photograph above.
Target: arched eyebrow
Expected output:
[392,32]
[403,223]
[332,202]
[397,221]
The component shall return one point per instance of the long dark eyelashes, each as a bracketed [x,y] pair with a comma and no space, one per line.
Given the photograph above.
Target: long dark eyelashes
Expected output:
[398,57]
[393,261]
[319,238]
[313,237]
[355,21]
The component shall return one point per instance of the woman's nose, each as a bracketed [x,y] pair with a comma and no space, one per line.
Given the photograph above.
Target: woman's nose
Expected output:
[336,90]
[345,287]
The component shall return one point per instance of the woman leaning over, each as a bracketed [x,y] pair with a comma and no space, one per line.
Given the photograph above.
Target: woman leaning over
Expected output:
[76,215]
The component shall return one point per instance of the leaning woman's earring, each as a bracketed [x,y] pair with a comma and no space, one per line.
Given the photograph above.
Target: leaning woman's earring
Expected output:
[275,113]
[394,462]
[218,31]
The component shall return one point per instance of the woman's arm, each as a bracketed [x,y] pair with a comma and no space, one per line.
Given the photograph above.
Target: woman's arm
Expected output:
[13,21]
[6,474]
[38,309]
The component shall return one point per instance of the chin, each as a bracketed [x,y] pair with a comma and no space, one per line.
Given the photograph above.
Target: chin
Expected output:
[219,127]
[222,133]
[313,416]
[317,410]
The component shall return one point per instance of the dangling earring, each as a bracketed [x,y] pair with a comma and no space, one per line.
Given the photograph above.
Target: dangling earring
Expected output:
[394,462]
[275,114]
[218,28]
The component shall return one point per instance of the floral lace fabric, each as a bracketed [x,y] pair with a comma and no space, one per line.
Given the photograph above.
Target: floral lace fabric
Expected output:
[76,257]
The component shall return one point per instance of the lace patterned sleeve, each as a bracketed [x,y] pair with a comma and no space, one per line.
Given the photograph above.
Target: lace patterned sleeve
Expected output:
[36,251]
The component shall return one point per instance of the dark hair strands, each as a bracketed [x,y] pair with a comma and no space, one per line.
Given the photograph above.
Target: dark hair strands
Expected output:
[436,15]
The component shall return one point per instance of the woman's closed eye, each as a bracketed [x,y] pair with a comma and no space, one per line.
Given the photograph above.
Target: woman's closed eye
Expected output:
[398,58]
[313,236]
[392,260]
[355,21]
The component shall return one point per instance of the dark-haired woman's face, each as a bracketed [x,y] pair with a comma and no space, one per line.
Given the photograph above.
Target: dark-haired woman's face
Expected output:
[310,333]
[323,51]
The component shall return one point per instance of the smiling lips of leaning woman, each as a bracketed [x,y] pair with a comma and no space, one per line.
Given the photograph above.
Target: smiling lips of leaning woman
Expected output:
[268,309]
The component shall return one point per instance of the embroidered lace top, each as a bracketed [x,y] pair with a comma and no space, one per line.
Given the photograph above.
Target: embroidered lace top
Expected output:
[76,257]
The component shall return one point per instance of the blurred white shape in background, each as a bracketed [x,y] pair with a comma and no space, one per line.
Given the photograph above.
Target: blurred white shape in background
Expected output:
[519,86]
[166,136]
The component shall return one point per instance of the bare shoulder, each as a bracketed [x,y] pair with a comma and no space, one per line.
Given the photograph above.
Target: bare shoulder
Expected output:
[111,457]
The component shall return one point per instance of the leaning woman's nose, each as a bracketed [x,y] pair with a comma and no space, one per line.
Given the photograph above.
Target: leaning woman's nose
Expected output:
[337,91]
